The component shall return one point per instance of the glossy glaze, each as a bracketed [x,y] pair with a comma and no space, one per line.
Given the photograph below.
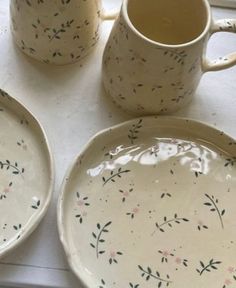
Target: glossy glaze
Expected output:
[25,171]
[152,201]
[144,76]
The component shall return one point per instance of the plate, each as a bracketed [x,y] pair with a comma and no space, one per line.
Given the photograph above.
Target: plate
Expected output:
[26,173]
[152,203]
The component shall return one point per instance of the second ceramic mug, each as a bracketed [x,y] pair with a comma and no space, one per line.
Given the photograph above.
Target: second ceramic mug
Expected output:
[155,55]
[56,31]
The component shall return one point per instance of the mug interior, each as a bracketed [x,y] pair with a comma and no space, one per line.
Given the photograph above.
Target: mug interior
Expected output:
[170,22]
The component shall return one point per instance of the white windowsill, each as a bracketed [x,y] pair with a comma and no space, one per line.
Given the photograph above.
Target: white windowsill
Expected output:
[224,3]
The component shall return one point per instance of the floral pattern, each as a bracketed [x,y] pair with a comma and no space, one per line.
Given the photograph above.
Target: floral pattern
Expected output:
[148,274]
[60,32]
[212,265]
[113,257]
[98,237]
[147,67]
[36,203]
[175,259]
[151,196]
[169,222]
[231,280]
[133,212]
[82,203]
[5,191]
[134,131]
[8,165]
[125,194]
[140,92]
[114,175]
[24,173]
[213,204]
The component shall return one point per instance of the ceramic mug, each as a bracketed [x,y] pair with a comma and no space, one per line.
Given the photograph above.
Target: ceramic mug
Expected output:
[155,55]
[56,31]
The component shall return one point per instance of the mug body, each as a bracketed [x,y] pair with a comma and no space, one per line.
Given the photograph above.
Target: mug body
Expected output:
[55,31]
[144,76]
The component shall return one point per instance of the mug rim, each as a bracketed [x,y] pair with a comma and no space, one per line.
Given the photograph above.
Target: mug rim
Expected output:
[124,10]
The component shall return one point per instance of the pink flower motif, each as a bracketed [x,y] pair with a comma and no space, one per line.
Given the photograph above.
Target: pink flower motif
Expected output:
[166,253]
[136,210]
[228,282]
[231,269]
[178,260]
[125,193]
[6,190]
[112,254]
[80,202]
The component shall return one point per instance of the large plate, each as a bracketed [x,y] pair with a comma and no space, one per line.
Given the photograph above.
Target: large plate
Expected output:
[26,173]
[152,203]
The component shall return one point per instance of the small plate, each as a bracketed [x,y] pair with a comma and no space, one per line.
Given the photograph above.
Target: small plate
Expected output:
[152,203]
[26,173]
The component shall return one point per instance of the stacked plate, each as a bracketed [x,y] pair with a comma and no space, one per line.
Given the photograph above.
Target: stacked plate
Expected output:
[26,173]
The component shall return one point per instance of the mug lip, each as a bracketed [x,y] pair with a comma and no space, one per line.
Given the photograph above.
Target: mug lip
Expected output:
[124,10]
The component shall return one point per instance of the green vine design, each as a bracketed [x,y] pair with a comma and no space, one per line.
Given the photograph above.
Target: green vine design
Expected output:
[213,204]
[62,29]
[16,170]
[98,238]
[148,274]
[114,175]
[134,131]
[178,56]
[169,223]
[212,265]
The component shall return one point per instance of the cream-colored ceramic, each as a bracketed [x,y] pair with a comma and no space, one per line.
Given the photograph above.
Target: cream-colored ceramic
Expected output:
[56,31]
[155,56]
[151,203]
[26,173]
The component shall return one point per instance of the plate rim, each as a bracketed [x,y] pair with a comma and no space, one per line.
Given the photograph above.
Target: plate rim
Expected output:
[35,221]
[68,173]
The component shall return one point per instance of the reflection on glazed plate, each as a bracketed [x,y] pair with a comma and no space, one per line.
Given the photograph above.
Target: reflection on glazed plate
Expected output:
[26,173]
[151,203]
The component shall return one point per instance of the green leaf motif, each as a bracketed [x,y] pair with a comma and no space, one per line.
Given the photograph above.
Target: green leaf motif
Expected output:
[212,265]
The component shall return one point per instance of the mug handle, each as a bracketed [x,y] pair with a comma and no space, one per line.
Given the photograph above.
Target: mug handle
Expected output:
[223,25]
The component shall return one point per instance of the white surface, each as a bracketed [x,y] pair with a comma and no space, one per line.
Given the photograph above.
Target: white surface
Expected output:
[70,103]
[224,3]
